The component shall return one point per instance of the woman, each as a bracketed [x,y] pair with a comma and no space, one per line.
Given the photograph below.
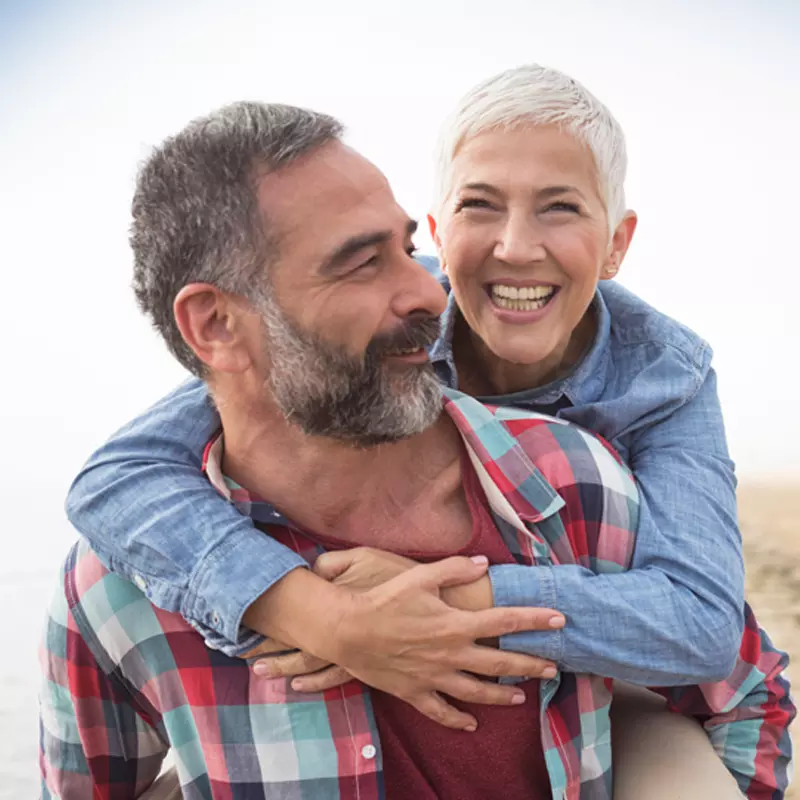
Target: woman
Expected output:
[529,218]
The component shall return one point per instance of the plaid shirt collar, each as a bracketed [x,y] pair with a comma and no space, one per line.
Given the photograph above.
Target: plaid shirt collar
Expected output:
[496,455]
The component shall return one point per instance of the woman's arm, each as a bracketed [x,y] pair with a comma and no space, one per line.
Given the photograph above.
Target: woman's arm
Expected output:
[150,514]
[676,617]
[148,511]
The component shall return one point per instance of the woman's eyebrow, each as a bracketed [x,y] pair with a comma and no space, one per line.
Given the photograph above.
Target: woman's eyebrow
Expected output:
[481,187]
[551,191]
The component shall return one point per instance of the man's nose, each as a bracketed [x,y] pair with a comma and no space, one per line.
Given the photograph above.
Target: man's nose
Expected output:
[520,242]
[418,291]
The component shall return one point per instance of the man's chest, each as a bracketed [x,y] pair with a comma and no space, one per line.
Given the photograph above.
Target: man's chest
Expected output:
[441,519]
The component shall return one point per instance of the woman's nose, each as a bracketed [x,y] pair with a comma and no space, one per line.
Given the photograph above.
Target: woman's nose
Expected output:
[520,242]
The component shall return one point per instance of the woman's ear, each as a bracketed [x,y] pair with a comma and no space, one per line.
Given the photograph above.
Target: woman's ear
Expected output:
[211,323]
[432,227]
[620,242]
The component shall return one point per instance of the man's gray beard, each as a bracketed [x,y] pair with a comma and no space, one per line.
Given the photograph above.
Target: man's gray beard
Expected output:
[327,392]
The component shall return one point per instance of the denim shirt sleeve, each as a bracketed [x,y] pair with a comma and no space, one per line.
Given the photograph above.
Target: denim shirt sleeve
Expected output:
[149,513]
[676,618]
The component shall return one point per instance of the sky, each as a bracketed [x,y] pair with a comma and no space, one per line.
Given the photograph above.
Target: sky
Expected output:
[709,99]
[708,94]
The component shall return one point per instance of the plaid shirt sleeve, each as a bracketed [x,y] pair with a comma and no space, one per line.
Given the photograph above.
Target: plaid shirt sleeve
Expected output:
[747,716]
[93,741]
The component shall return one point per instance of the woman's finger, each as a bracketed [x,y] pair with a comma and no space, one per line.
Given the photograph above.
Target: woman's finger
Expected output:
[502,663]
[436,708]
[321,681]
[471,690]
[288,666]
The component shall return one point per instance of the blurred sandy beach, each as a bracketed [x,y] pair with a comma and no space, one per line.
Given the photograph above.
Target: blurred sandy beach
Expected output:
[770,522]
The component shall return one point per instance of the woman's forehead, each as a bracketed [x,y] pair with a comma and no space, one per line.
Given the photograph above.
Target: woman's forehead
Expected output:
[536,156]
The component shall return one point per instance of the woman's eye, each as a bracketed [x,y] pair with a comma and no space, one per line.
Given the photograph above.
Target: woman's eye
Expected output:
[563,206]
[472,202]
[412,250]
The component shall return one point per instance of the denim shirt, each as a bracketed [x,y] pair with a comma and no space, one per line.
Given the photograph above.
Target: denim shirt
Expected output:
[645,385]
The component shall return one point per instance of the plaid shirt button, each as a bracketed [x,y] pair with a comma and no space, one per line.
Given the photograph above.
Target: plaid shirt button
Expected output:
[369,751]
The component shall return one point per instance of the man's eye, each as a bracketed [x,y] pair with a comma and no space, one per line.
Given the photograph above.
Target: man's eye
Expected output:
[472,202]
[412,250]
[370,262]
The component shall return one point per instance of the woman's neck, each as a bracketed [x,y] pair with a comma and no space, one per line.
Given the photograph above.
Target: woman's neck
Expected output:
[482,373]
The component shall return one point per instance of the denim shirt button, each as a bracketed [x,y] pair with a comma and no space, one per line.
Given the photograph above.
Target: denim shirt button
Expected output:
[140,582]
[215,618]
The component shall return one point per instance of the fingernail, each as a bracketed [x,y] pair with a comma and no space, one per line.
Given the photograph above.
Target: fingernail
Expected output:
[518,699]
[298,684]
[261,669]
[479,559]
[549,672]
[471,728]
[557,621]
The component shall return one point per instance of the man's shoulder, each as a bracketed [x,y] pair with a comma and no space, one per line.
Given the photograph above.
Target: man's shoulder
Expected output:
[110,613]
[598,504]
[550,443]
[561,452]
[566,453]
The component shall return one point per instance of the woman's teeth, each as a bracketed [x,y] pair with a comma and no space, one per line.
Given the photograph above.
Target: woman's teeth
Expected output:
[521,298]
[406,352]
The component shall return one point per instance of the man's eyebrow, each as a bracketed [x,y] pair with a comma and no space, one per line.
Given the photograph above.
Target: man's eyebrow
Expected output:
[350,247]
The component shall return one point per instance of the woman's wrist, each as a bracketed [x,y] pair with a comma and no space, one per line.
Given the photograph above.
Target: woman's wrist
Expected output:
[300,610]
[475,596]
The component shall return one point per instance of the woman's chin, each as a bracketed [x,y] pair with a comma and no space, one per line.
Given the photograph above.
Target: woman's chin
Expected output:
[521,356]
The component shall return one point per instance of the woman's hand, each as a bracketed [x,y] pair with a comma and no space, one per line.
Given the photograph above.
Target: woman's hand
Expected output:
[405,635]
[359,569]
[362,568]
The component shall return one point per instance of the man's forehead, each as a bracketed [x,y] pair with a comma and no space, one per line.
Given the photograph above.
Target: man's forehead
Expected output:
[333,169]
[333,187]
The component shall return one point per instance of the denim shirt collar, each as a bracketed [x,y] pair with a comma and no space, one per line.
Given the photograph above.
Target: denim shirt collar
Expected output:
[583,384]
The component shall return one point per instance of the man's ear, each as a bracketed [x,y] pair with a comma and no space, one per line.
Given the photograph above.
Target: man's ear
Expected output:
[620,242]
[213,324]
[432,227]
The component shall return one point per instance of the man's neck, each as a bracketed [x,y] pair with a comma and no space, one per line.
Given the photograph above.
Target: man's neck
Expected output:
[324,485]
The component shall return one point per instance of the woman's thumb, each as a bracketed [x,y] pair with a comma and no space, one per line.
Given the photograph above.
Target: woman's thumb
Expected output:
[331,565]
[454,571]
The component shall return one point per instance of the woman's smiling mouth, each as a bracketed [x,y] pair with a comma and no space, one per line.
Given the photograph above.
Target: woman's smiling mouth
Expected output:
[521,298]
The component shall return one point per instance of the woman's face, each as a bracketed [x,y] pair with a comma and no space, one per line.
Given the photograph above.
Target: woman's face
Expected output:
[523,236]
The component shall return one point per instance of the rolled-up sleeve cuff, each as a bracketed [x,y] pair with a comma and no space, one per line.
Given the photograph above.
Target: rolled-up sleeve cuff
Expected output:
[229,579]
[533,587]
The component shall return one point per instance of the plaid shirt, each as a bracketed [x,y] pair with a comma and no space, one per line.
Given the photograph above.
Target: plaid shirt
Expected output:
[125,682]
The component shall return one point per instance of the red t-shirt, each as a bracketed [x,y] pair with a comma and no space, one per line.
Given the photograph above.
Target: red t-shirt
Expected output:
[503,758]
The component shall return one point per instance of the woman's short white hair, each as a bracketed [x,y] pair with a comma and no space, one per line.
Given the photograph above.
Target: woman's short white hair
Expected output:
[538,95]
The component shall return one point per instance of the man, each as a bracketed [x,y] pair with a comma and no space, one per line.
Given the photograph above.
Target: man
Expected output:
[299,304]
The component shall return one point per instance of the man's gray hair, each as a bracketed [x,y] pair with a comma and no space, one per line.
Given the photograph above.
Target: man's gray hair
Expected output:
[536,95]
[195,212]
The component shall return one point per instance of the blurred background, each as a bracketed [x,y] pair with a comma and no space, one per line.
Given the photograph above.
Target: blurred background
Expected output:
[709,97]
